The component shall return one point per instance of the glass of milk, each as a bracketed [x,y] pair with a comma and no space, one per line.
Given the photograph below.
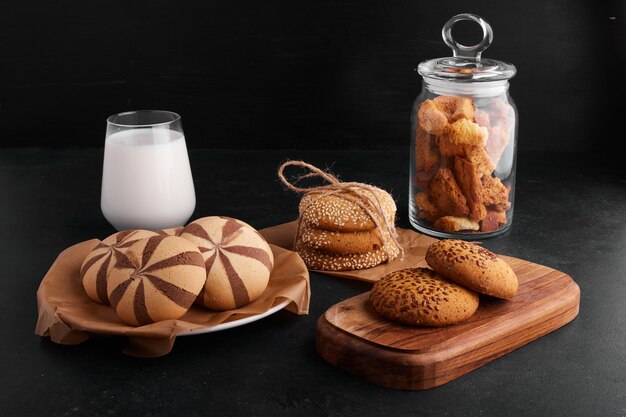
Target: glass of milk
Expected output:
[146,176]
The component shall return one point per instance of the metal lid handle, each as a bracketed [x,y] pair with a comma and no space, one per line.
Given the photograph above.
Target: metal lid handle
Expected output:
[463,51]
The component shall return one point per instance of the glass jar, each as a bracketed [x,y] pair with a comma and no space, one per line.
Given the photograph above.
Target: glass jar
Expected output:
[463,143]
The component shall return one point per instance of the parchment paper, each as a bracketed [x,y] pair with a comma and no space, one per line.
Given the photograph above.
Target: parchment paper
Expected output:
[68,316]
[414,244]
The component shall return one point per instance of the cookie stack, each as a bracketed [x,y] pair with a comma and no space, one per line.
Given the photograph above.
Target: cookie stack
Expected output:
[448,293]
[337,233]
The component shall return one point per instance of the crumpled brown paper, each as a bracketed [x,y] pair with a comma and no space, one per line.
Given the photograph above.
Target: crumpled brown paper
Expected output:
[414,244]
[68,316]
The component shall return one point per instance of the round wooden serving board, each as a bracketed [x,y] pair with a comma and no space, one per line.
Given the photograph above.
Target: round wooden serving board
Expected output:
[352,337]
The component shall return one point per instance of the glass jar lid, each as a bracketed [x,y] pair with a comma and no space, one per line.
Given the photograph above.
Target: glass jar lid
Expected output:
[466,64]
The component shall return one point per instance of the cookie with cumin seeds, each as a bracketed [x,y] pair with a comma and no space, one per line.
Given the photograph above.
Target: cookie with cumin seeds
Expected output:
[421,297]
[472,266]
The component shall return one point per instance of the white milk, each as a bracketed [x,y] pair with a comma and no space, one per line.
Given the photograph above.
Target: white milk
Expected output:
[146,179]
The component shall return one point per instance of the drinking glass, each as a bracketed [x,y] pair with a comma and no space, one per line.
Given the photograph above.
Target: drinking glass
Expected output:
[146,176]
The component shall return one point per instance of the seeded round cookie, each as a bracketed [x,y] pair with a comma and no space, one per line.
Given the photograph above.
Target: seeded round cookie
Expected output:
[421,297]
[156,279]
[332,212]
[237,258]
[472,266]
[328,261]
[100,260]
[340,242]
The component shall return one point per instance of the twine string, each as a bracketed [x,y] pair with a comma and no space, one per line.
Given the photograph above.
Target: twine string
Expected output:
[362,195]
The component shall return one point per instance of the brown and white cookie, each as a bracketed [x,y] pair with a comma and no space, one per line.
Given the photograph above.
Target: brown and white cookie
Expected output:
[172,231]
[155,279]
[341,243]
[421,297]
[237,259]
[327,261]
[338,213]
[472,266]
[100,260]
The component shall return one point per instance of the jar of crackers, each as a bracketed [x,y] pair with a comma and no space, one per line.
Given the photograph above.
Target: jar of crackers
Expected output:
[463,142]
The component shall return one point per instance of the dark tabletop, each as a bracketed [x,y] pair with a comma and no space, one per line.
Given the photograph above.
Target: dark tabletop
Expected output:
[569,215]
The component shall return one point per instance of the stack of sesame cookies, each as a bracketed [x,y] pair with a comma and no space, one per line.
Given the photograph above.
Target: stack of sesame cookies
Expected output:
[346,230]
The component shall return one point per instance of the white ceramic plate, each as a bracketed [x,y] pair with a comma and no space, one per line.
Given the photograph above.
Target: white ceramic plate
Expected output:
[240,322]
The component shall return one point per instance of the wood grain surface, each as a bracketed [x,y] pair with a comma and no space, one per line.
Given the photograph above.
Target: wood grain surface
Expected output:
[352,337]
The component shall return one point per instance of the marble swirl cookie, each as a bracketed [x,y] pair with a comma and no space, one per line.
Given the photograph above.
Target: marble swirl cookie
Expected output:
[237,258]
[156,279]
[98,263]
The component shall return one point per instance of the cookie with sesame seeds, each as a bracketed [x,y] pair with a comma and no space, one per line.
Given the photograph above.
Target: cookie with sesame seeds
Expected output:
[337,213]
[341,243]
[328,261]
[422,297]
[472,266]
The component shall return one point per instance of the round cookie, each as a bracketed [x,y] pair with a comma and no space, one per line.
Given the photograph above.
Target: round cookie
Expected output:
[155,279]
[472,266]
[340,242]
[421,297]
[172,231]
[332,212]
[327,261]
[100,260]
[237,258]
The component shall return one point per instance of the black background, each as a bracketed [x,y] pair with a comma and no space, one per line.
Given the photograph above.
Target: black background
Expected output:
[295,74]
[298,74]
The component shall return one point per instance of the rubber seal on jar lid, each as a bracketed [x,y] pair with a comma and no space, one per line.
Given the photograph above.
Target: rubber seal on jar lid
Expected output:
[466,63]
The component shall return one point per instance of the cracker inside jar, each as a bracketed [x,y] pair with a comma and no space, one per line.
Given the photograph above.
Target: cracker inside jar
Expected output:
[463,164]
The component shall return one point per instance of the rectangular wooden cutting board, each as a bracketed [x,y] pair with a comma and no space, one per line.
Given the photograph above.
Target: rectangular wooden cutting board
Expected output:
[352,337]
